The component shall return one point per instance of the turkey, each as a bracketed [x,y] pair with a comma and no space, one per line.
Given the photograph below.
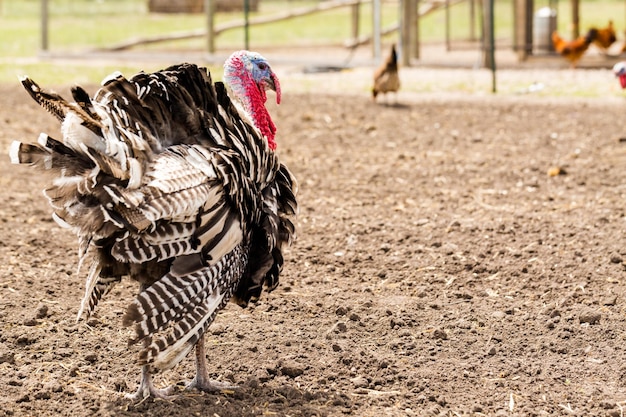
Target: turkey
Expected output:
[619,70]
[171,180]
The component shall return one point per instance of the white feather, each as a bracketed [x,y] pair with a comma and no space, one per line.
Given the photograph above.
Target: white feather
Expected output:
[14,152]
[60,221]
[67,181]
[75,134]
[233,237]
[113,76]
[136,173]
[200,158]
[92,280]
[42,139]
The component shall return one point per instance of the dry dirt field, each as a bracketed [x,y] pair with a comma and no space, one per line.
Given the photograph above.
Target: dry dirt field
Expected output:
[440,270]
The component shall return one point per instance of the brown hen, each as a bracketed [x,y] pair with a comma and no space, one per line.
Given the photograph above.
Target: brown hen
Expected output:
[605,37]
[573,50]
[386,78]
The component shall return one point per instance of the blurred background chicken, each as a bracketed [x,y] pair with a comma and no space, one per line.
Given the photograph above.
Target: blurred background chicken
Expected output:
[386,78]
[605,37]
[573,50]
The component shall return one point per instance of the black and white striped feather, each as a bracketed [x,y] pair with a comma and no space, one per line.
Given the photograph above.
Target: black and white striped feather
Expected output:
[164,181]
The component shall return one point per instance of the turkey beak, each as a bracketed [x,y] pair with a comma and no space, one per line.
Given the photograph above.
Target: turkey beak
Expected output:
[273,84]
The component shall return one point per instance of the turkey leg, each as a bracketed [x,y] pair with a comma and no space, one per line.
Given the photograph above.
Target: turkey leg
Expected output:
[202,380]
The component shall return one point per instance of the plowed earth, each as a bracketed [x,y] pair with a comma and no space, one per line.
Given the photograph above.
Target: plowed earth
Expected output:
[441,268]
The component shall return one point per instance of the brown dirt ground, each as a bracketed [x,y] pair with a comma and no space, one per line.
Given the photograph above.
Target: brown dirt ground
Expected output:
[439,270]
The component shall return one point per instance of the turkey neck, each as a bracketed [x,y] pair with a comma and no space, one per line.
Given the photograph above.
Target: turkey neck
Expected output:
[253,97]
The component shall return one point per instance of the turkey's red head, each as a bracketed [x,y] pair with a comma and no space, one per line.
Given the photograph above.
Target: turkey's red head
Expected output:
[619,70]
[249,76]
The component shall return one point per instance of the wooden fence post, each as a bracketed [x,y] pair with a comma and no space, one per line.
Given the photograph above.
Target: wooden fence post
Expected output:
[416,29]
[523,35]
[575,19]
[489,46]
[447,24]
[209,9]
[409,36]
[44,25]
[356,11]
[487,29]
[376,34]
[405,38]
[472,16]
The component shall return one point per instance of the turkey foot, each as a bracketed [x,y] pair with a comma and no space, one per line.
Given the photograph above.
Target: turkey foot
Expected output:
[210,385]
[147,389]
[202,381]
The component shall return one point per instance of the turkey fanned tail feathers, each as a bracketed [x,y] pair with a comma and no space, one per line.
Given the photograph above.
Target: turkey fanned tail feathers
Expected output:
[163,181]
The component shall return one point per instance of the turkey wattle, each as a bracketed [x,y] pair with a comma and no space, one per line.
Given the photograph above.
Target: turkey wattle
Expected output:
[168,181]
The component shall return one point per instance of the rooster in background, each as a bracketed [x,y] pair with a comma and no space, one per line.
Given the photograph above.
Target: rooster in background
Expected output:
[386,78]
[573,50]
[605,37]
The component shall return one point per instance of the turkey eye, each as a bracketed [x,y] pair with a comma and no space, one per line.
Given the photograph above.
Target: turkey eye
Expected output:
[262,66]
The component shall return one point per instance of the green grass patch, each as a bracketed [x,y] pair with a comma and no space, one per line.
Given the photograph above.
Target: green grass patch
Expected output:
[65,73]
[80,25]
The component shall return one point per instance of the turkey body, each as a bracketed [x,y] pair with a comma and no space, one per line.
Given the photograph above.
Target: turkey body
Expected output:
[166,181]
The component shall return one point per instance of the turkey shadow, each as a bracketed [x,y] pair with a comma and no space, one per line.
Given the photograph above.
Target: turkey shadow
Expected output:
[395,105]
[252,399]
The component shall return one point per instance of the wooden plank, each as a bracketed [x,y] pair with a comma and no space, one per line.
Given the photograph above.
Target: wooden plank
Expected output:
[260,20]
[522,30]
[44,25]
[575,19]
[424,9]
[209,9]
